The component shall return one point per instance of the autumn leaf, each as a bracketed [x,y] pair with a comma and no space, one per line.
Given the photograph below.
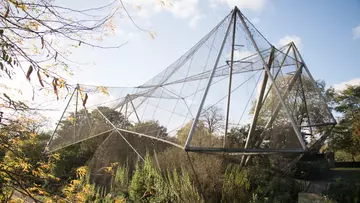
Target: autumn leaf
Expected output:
[34,24]
[46,74]
[85,99]
[29,72]
[7,12]
[32,135]
[54,83]
[40,79]
[152,34]
[81,171]
[42,42]
[103,90]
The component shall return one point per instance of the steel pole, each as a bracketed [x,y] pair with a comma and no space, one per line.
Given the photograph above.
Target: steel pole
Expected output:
[193,127]
[311,77]
[76,106]
[277,73]
[293,122]
[62,115]
[115,128]
[230,79]
[259,102]
[132,104]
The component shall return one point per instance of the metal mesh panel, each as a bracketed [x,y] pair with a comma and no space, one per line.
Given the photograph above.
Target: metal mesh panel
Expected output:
[219,96]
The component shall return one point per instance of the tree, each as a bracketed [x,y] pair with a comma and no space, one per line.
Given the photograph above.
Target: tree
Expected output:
[31,32]
[212,118]
[236,138]
[23,166]
[78,154]
[306,105]
[346,135]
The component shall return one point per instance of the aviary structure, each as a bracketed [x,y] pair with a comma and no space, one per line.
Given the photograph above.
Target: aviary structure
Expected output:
[233,92]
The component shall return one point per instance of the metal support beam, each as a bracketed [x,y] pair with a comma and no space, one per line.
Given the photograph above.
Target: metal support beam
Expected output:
[86,112]
[81,140]
[230,78]
[259,102]
[151,137]
[275,113]
[240,150]
[194,125]
[312,79]
[302,90]
[126,105]
[117,130]
[326,134]
[57,126]
[260,99]
[319,125]
[293,122]
[278,72]
[76,106]
[278,106]
[132,104]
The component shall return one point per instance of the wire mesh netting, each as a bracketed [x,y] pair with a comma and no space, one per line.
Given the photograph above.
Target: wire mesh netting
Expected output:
[232,90]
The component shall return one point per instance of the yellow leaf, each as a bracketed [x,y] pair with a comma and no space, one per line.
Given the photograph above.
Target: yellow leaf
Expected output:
[61,82]
[34,24]
[32,135]
[103,90]
[56,156]
[152,34]
[81,171]
[71,119]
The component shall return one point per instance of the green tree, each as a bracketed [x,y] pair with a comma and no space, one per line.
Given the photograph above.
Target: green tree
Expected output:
[346,134]
[23,167]
[307,106]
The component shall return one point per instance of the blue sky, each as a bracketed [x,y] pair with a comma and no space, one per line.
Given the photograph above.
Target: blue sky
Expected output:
[327,33]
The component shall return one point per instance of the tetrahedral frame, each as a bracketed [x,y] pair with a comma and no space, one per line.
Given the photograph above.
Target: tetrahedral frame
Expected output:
[288,107]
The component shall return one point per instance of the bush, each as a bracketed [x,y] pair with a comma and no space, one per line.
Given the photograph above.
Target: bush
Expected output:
[344,192]
[311,170]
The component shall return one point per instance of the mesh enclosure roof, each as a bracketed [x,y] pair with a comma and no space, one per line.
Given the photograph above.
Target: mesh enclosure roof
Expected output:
[231,92]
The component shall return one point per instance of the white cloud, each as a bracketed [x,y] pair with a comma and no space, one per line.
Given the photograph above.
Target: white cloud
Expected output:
[194,21]
[241,54]
[255,21]
[127,35]
[187,9]
[342,86]
[182,9]
[290,38]
[356,32]
[253,5]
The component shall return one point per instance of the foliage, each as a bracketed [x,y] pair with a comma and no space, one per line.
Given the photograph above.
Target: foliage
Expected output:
[346,136]
[312,170]
[37,37]
[341,156]
[24,168]
[202,135]
[236,186]
[344,191]
[148,185]
[237,137]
